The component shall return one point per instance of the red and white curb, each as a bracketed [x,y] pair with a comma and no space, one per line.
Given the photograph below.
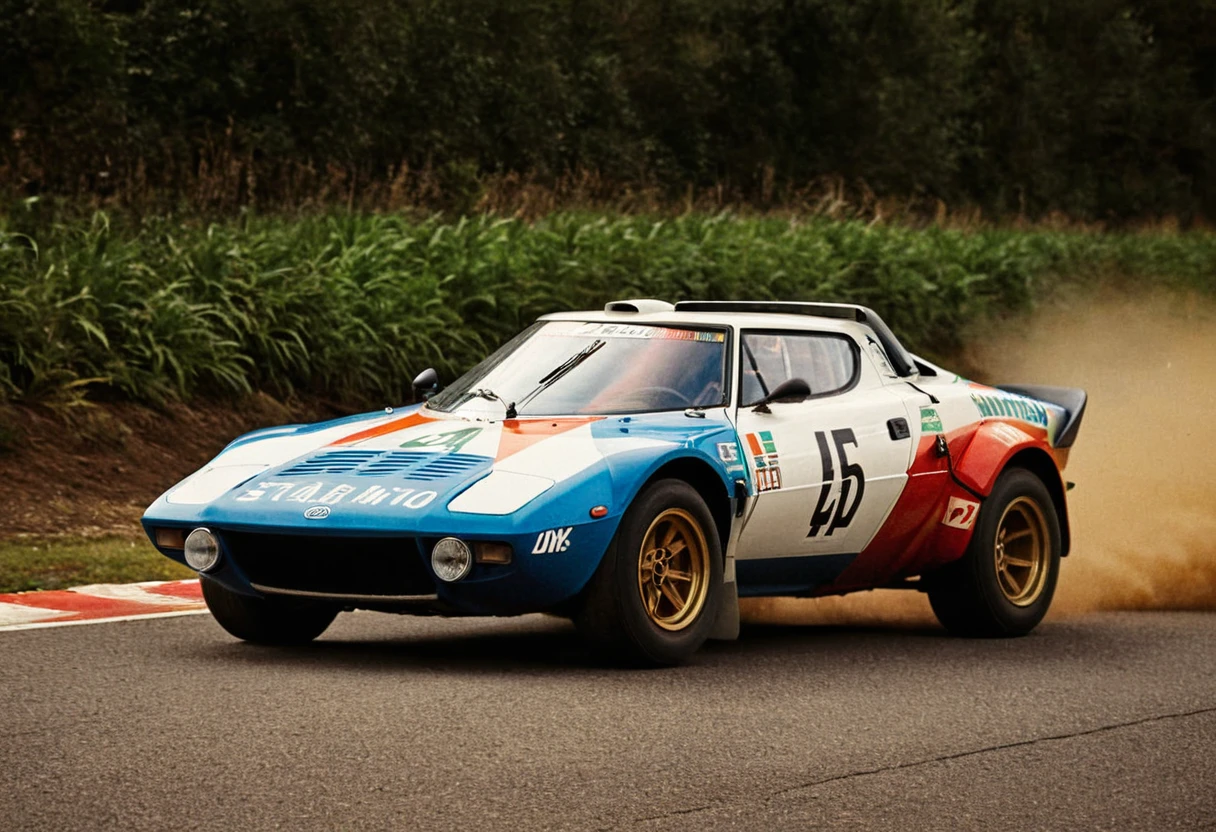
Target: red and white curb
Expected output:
[100,602]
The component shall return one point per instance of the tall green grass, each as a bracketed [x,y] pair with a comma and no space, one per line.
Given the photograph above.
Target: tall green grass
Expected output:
[351,306]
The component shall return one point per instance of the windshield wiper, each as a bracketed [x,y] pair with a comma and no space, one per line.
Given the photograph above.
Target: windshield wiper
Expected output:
[572,362]
[486,393]
[561,370]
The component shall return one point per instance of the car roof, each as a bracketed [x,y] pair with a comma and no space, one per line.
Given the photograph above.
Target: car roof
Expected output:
[717,319]
[845,318]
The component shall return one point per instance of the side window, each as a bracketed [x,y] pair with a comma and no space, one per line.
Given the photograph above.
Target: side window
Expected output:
[828,363]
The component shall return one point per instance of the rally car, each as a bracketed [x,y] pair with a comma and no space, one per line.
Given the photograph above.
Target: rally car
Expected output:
[639,470]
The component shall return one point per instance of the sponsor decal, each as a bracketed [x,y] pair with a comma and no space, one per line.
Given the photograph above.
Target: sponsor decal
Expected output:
[765,459]
[552,541]
[316,513]
[728,452]
[1011,407]
[768,479]
[316,492]
[443,443]
[960,513]
[930,422]
[1007,434]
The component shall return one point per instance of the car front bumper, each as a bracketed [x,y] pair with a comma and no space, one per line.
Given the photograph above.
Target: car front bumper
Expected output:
[392,571]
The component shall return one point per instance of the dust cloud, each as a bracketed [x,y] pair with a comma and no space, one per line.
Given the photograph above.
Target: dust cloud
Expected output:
[1143,512]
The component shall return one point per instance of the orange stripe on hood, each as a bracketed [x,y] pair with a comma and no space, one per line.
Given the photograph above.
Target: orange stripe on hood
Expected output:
[518,434]
[388,427]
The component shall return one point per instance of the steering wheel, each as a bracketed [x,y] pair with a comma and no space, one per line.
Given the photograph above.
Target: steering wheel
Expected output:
[676,398]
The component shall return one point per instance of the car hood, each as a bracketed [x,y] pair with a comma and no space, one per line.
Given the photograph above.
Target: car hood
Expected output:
[424,470]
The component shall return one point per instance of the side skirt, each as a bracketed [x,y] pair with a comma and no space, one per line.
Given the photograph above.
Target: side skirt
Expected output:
[790,576]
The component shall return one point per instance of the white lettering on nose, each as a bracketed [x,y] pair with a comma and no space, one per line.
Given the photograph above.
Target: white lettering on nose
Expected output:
[336,494]
[373,495]
[554,540]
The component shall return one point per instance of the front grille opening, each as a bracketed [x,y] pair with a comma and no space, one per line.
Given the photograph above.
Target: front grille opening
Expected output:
[335,565]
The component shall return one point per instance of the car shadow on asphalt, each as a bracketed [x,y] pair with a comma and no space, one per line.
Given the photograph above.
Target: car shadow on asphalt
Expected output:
[550,644]
[539,644]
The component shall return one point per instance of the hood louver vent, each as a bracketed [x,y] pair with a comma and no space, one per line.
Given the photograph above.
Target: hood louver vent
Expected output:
[330,462]
[409,465]
[447,466]
[393,462]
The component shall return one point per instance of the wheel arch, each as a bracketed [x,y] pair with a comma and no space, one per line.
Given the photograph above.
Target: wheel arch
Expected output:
[998,446]
[1038,462]
[707,482]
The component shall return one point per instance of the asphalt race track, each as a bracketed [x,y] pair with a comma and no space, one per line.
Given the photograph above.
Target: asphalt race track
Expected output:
[1100,722]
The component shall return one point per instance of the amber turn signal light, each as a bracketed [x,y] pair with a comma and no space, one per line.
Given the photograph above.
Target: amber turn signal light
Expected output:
[171,538]
[492,552]
[599,511]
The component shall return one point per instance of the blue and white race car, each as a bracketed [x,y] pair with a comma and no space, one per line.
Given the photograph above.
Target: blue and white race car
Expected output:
[639,470]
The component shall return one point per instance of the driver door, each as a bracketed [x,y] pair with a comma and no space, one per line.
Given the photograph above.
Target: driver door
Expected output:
[825,471]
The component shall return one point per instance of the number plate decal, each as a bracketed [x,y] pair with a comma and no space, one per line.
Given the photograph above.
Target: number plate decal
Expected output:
[849,487]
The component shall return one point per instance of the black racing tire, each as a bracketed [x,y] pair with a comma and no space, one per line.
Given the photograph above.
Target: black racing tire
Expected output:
[267,620]
[988,592]
[619,614]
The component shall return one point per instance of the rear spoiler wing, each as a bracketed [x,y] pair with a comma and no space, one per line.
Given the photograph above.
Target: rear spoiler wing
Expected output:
[1072,399]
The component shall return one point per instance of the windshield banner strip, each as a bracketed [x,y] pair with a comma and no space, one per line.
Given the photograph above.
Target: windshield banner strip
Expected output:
[656,332]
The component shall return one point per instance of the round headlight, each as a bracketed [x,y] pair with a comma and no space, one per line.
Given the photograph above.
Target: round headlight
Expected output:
[202,550]
[451,559]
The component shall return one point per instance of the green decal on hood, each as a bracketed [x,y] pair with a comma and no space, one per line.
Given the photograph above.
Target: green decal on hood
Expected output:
[443,443]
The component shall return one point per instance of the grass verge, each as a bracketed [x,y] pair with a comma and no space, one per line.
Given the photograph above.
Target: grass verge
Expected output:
[58,563]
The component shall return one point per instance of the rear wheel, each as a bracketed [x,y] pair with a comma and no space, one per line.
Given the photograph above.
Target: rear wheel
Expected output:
[267,620]
[1004,583]
[654,597]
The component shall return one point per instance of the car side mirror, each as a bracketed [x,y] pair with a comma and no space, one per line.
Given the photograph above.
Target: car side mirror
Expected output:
[427,382]
[790,390]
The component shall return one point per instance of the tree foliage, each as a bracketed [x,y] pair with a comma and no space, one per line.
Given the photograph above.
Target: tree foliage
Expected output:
[1102,109]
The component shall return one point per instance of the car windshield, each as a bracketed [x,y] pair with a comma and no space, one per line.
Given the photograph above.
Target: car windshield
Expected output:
[586,368]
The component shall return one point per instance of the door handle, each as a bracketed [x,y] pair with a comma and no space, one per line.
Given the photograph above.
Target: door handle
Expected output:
[898,428]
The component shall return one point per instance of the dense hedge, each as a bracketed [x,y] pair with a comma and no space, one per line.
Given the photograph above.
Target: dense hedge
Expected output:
[1098,108]
[351,307]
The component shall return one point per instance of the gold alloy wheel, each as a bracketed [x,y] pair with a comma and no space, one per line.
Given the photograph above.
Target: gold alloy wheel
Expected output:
[1022,552]
[673,570]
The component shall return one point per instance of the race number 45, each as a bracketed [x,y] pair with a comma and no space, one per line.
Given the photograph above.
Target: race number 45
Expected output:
[849,484]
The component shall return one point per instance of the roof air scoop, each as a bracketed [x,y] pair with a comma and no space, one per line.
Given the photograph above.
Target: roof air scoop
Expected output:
[642,305]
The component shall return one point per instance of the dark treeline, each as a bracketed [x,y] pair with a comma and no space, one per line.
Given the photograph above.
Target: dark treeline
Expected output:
[1099,109]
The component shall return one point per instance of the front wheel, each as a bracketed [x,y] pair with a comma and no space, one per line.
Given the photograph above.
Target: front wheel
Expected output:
[655,595]
[267,620]
[1003,584]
